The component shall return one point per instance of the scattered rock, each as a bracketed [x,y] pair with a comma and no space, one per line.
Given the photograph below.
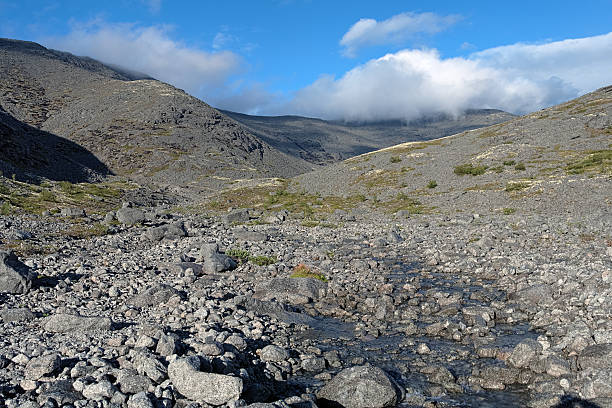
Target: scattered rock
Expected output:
[361,387]
[130,216]
[64,323]
[214,389]
[15,276]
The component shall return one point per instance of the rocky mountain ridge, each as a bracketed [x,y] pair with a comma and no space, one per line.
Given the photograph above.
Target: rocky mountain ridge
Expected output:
[324,142]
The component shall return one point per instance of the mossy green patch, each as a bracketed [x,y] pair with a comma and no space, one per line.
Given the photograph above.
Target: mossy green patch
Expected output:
[470,169]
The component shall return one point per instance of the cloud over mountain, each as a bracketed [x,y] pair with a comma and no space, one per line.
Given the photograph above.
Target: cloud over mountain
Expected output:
[518,78]
[151,50]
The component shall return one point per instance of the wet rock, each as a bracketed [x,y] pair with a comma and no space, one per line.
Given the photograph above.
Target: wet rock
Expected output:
[15,276]
[524,353]
[214,389]
[361,387]
[63,323]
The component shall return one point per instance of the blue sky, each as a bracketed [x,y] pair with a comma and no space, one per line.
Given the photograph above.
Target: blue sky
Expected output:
[340,59]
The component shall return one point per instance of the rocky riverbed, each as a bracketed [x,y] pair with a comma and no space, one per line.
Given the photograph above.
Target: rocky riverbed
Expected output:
[168,309]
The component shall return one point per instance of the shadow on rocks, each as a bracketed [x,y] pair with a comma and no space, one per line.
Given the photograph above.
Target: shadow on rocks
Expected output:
[571,401]
[52,281]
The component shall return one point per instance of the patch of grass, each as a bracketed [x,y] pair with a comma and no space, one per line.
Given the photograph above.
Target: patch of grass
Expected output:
[599,161]
[403,202]
[520,167]
[315,223]
[509,163]
[48,196]
[470,169]
[516,186]
[26,249]
[240,255]
[83,231]
[509,211]
[5,208]
[395,159]
[310,223]
[304,271]
[243,256]
[432,184]
[276,197]
[263,260]
[380,178]
[497,169]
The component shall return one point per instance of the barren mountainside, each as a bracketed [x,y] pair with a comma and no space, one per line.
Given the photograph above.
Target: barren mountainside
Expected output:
[548,161]
[144,129]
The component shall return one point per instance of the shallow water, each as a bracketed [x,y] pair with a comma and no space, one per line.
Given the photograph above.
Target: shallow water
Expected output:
[395,351]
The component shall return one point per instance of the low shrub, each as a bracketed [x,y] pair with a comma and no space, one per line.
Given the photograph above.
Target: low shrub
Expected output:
[470,169]
[304,271]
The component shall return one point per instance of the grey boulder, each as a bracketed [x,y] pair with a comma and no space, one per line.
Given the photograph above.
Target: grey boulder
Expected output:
[213,261]
[292,290]
[63,323]
[167,232]
[15,276]
[40,366]
[596,356]
[361,387]
[130,216]
[213,389]
[237,216]
[524,353]
[154,295]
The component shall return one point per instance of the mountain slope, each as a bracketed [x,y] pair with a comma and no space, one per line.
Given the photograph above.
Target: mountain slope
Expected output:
[323,142]
[31,154]
[556,159]
[144,129]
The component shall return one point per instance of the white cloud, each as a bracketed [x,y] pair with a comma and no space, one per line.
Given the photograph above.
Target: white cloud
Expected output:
[152,51]
[399,28]
[222,39]
[517,78]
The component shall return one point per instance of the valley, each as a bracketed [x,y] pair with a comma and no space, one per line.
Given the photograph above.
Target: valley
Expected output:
[157,252]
